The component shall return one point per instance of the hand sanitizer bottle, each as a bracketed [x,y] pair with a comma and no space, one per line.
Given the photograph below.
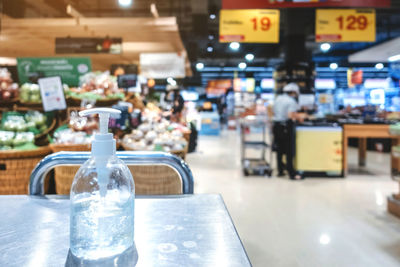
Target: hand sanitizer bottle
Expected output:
[102,199]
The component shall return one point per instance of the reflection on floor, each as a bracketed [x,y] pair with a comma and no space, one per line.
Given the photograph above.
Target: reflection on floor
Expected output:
[315,222]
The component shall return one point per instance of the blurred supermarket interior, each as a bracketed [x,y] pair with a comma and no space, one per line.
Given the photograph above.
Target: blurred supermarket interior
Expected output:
[286,112]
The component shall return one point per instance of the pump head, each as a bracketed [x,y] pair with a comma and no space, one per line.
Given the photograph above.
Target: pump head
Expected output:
[104,116]
[103,143]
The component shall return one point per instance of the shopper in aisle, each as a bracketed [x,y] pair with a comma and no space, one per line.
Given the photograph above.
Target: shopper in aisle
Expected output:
[177,103]
[285,114]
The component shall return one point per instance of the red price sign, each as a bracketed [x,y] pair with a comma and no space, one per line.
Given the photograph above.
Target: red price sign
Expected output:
[345,25]
[249,26]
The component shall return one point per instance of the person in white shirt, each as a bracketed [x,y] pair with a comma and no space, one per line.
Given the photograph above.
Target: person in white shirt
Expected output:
[285,113]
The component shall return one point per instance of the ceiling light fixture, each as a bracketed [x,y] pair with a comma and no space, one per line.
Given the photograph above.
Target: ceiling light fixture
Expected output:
[125,3]
[394,58]
[379,66]
[249,57]
[242,65]
[333,66]
[210,48]
[324,239]
[234,46]
[171,81]
[200,66]
[210,37]
[212,16]
[325,47]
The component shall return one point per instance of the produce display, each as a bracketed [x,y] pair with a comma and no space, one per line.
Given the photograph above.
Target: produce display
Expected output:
[97,86]
[30,93]
[71,137]
[8,89]
[156,134]
[78,131]
[82,124]
[32,121]
[394,129]
[20,141]
[18,130]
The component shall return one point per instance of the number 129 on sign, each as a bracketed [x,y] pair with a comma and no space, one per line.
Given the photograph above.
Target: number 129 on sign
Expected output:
[345,25]
[353,23]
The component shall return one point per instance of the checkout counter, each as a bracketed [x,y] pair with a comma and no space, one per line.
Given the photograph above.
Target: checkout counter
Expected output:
[321,146]
[319,149]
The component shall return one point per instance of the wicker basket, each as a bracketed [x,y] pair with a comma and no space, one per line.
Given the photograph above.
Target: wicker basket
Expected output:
[8,104]
[76,102]
[48,130]
[156,180]
[31,105]
[180,153]
[64,175]
[16,167]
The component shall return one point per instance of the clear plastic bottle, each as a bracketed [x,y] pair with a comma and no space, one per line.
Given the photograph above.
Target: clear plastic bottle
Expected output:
[102,201]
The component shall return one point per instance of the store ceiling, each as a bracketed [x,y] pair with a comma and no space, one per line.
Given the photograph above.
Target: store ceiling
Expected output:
[198,30]
[36,37]
[378,53]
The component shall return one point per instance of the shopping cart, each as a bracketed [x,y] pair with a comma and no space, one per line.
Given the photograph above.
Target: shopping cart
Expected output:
[257,127]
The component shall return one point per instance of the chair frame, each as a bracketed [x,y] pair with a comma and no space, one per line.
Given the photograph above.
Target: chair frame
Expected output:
[63,158]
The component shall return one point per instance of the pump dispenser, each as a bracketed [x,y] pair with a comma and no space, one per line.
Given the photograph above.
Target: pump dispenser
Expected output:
[102,199]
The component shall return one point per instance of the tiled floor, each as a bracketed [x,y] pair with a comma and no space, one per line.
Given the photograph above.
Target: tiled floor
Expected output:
[315,222]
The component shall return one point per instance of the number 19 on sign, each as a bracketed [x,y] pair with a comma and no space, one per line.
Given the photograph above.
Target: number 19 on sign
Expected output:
[265,23]
[249,26]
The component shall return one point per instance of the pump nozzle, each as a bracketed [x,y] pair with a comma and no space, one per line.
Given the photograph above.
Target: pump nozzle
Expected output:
[104,116]
[103,143]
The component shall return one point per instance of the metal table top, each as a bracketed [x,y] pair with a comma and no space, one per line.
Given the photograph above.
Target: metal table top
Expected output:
[187,230]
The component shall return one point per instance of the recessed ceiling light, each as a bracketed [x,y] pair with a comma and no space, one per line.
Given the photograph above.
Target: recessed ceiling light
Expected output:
[242,65]
[379,66]
[125,3]
[200,66]
[333,66]
[210,37]
[324,239]
[249,57]
[234,46]
[210,48]
[325,47]
[212,16]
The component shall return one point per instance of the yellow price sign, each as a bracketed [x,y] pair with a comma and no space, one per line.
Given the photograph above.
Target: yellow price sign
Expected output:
[249,26]
[345,25]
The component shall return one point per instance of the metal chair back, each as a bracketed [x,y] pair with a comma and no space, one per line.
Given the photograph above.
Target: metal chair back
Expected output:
[134,158]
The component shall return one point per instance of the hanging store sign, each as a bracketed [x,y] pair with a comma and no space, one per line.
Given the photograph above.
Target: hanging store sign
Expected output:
[73,45]
[69,69]
[345,25]
[162,65]
[237,4]
[249,26]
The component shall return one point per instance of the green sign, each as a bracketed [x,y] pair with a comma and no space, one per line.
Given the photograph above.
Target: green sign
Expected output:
[69,69]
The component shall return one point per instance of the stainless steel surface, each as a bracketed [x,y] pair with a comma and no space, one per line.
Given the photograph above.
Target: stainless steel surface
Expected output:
[187,230]
[36,185]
